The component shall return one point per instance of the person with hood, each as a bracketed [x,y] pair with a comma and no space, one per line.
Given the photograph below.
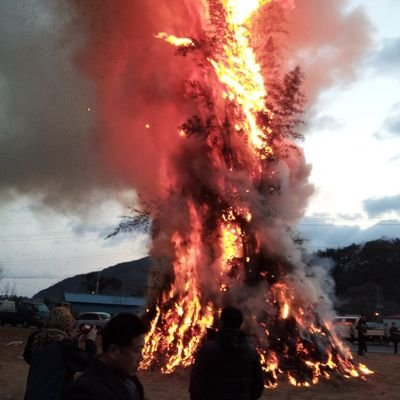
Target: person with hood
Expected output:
[113,375]
[54,358]
[227,367]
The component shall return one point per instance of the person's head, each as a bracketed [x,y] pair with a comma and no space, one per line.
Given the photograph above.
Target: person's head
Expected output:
[60,318]
[122,342]
[231,318]
[393,324]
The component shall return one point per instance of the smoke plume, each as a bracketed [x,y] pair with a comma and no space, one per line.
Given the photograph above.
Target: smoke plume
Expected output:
[91,100]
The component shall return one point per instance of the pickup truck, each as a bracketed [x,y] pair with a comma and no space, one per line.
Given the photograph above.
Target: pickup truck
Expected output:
[375,333]
[345,327]
[26,313]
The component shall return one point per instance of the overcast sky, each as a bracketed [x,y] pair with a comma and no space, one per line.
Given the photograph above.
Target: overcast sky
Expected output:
[352,141]
[353,144]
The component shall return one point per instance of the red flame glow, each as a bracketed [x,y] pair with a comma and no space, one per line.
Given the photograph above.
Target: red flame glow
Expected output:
[223,224]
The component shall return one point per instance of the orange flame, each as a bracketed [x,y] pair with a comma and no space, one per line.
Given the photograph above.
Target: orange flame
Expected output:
[187,321]
[176,41]
[285,311]
[183,313]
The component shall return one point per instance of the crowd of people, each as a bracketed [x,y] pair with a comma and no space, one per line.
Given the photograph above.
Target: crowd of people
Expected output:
[65,365]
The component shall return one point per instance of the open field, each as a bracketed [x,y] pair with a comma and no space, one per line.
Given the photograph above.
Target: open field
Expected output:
[383,385]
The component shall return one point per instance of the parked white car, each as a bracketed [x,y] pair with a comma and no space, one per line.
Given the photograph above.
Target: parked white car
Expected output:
[345,326]
[98,319]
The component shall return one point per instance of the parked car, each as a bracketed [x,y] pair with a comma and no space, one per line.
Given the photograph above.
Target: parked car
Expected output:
[375,332]
[346,328]
[98,319]
[26,313]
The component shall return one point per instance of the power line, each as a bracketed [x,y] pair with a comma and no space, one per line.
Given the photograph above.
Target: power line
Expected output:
[36,277]
[29,238]
[65,259]
[343,225]
[34,238]
[308,218]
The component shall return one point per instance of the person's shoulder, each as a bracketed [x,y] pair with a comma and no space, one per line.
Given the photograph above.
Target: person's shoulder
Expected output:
[207,348]
[32,336]
[209,345]
[253,352]
[80,389]
[86,379]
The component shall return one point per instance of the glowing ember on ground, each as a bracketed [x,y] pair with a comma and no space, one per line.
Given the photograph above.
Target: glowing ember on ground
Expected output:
[234,182]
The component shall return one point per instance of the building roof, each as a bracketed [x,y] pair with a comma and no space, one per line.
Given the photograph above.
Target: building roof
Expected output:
[397,316]
[104,299]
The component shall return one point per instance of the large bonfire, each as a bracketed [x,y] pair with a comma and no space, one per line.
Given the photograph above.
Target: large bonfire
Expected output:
[227,224]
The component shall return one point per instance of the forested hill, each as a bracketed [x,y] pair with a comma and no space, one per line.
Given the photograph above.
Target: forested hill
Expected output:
[124,279]
[367,277]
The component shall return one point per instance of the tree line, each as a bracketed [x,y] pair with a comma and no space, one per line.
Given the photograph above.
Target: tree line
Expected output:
[367,277]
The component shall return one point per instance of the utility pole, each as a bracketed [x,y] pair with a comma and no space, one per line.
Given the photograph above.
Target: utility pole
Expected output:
[97,282]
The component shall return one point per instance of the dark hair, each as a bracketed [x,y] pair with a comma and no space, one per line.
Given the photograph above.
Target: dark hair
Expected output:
[122,329]
[231,317]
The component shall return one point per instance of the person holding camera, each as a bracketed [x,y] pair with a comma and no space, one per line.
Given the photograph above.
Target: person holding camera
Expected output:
[112,376]
[54,358]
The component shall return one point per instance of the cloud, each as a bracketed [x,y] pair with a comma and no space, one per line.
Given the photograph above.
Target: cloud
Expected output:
[395,158]
[323,233]
[386,59]
[324,123]
[391,126]
[379,206]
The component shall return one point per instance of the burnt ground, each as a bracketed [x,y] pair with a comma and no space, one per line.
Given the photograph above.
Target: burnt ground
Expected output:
[383,385]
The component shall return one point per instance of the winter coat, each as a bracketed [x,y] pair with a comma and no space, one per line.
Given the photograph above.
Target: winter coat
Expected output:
[394,333]
[227,368]
[53,365]
[361,329]
[100,382]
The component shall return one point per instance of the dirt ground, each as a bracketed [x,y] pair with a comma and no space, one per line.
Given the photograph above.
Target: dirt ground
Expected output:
[383,385]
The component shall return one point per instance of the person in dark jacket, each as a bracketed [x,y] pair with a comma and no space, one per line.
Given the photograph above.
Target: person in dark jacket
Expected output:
[54,358]
[112,376]
[227,367]
[362,331]
[394,336]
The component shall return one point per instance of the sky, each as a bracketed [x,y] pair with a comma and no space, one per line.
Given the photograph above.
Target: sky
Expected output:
[352,140]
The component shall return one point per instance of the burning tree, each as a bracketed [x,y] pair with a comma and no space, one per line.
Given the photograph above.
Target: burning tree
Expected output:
[237,186]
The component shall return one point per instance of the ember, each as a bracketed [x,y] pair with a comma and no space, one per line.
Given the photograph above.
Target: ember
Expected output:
[226,223]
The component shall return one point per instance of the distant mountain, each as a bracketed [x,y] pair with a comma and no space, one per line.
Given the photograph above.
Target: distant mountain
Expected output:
[367,277]
[124,279]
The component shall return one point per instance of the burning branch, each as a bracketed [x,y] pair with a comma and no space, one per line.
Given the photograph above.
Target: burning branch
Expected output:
[224,226]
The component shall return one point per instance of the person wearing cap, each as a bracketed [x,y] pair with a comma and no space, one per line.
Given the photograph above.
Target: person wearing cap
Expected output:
[227,367]
[54,358]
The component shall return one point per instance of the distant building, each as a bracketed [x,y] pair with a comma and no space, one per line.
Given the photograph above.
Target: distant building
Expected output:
[392,318]
[81,302]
